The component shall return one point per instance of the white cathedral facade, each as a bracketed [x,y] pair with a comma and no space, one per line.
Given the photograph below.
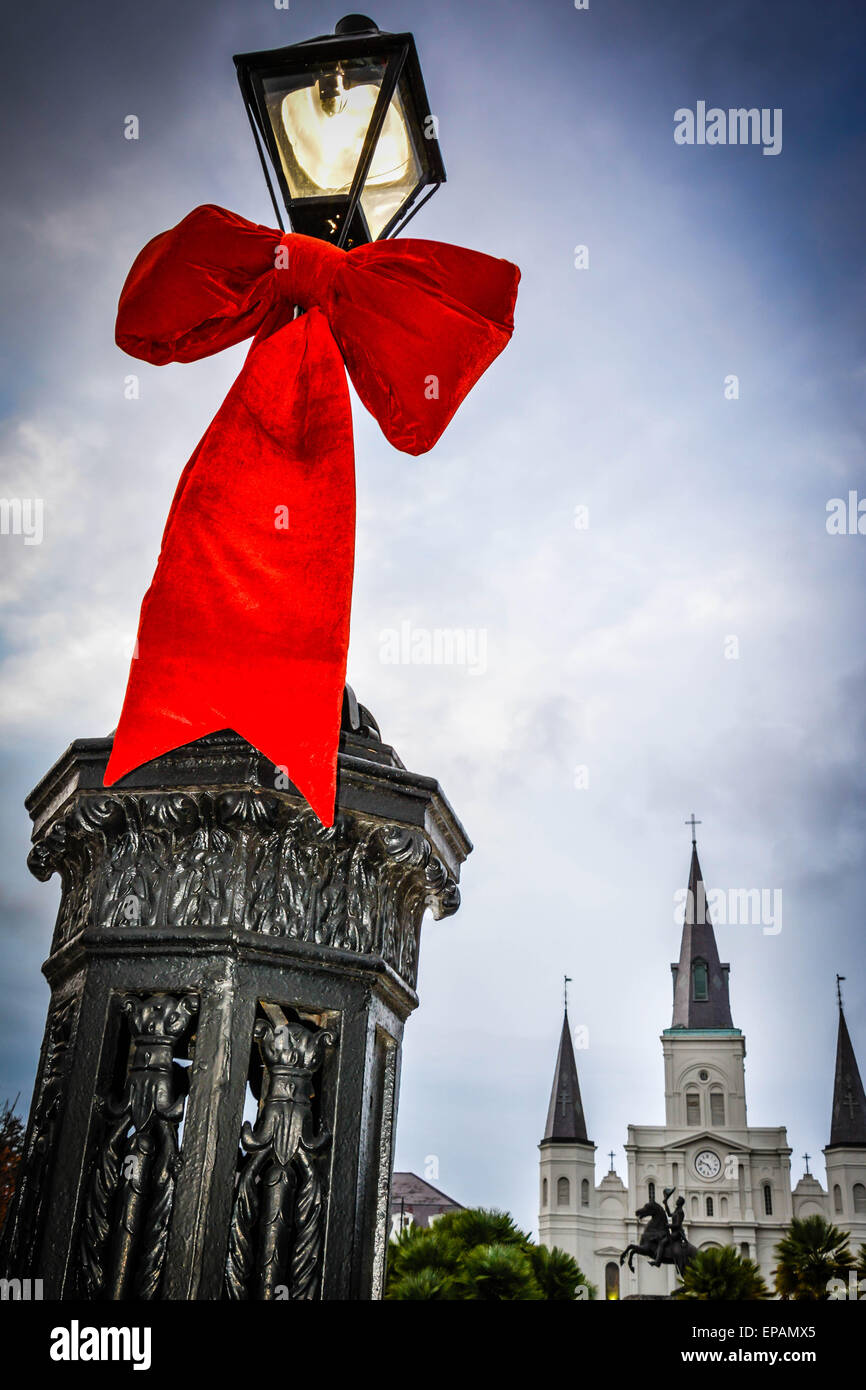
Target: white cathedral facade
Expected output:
[735,1177]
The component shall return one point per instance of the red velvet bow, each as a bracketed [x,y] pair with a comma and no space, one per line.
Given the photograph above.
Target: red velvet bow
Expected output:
[246,622]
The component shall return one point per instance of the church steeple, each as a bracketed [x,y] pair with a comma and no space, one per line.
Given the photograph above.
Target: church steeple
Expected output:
[566,1122]
[848,1121]
[701,997]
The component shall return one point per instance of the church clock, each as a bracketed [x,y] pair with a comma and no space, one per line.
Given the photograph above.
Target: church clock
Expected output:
[707,1164]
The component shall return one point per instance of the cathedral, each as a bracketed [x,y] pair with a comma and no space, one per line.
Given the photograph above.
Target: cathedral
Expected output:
[735,1178]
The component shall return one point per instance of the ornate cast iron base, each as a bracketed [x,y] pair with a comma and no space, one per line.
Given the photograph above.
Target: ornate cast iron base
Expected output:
[218,950]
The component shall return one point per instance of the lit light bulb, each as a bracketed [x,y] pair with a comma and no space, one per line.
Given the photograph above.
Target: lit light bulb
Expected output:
[326,126]
[332,93]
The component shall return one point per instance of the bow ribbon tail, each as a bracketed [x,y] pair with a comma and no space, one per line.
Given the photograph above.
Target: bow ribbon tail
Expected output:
[246,623]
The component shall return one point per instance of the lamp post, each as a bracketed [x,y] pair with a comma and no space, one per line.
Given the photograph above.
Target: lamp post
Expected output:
[218,951]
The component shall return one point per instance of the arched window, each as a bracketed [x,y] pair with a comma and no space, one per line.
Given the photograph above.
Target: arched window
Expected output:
[723,1208]
[768,1199]
[675,1174]
[717,1108]
[700,980]
[859,1197]
[837,1199]
[544,1193]
[563,1192]
[744,1249]
[651,1191]
[611,1280]
[695,1206]
[709,1206]
[693,1108]
[584,1192]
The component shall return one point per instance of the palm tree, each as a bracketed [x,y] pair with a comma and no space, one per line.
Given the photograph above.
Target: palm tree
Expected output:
[722,1274]
[478,1255]
[558,1275]
[496,1272]
[810,1254]
[424,1284]
[480,1226]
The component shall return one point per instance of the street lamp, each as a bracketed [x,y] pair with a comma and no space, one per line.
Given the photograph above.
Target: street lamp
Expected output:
[208,917]
[346,126]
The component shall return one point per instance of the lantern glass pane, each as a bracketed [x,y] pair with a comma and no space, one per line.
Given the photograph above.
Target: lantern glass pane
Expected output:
[320,121]
[395,171]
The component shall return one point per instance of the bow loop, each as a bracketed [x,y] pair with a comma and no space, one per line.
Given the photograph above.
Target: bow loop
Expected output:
[198,288]
[246,623]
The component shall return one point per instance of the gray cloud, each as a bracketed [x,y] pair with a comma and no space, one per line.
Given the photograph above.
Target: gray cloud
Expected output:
[606,647]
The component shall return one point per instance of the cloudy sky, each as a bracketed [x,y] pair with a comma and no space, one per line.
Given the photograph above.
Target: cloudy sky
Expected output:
[697,646]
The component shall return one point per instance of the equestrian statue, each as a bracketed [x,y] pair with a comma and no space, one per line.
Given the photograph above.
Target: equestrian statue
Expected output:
[663,1238]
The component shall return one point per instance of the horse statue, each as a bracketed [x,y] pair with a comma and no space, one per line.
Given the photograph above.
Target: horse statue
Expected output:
[665,1242]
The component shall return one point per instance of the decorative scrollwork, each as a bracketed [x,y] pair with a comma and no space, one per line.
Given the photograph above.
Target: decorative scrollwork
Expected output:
[126,1218]
[275,1241]
[244,859]
[22,1231]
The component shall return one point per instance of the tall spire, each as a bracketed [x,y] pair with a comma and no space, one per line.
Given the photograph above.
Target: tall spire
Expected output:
[566,1122]
[701,997]
[848,1121]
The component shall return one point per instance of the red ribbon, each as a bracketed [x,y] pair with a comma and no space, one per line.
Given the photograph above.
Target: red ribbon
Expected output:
[246,623]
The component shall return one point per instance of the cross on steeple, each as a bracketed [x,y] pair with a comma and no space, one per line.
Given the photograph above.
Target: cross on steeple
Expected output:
[566,981]
[564,1098]
[566,1122]
[807,1157]
[848,1123]
[611,1159]
[701,993]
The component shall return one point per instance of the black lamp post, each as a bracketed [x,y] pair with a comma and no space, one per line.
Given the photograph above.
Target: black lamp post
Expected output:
[215,943]
[344,123]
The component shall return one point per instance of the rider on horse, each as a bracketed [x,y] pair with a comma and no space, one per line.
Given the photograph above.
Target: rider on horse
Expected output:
[675,1233]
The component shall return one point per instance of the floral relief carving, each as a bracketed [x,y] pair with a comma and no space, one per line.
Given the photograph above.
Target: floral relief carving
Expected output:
[246,860]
